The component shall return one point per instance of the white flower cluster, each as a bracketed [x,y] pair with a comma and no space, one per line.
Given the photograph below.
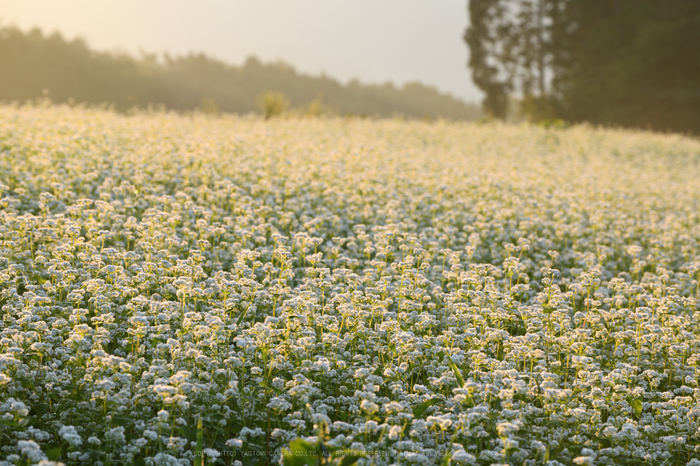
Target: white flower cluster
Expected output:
[415,292]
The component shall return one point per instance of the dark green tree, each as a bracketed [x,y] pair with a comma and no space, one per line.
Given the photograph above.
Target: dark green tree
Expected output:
[632,63]
[488,66]
[511,51]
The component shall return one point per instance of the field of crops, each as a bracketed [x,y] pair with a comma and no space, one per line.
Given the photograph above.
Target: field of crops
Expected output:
[184,290]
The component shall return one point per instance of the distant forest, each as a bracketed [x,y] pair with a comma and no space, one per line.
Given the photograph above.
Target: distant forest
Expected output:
[33,63]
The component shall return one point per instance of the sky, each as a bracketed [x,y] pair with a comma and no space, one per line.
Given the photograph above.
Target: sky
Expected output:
[373,40]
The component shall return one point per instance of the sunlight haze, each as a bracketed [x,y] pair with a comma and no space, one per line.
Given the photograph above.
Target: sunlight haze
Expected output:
[390,40]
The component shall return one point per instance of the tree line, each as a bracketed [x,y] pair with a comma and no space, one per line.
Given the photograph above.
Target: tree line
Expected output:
[33,63]
[633,63]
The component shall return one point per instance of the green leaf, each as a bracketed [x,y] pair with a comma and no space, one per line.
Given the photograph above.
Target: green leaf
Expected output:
[288,459]
[39,409]
[446,458]
[242,316]
[25,382]
[94,454]
[155,341]
[406,428]
[298,454]
[122,420]
[349,460]
[190,433]
[300,445]
[455,370]
[54,454]
[636,404]
[200,443]
[255,447]
[421,408]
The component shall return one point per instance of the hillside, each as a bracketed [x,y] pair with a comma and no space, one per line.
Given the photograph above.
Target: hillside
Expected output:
[71,71]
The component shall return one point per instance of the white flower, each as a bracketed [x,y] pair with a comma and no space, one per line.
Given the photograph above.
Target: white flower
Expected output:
[395,432]
[116,434]
[459,455]
[369,407]
[31,449]
[506,428]
[70,435]
[234,443]
[210,452]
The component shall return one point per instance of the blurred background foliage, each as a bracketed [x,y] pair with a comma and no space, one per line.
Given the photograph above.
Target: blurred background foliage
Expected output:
[633,63]
[33,62]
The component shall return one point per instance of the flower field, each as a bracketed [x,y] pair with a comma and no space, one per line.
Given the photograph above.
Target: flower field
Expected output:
[189,290]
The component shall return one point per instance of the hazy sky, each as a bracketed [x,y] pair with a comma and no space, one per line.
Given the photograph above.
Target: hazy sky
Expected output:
[373,40]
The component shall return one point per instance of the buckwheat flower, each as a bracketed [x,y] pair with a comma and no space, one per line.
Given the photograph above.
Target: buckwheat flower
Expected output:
[164,390]
[70,435]
[256,432]
[322,364]
[116,434]
[395,432]
[506,428]
[629,431]
[418,388]
[162,415]
[94,441]
[393,407]
[443,421]
[180,377]
[38,435]
[369,407]
[510,444]
[234,443]
[279,405]
[18,407]
[31,450]
[459,455]
[162,459]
